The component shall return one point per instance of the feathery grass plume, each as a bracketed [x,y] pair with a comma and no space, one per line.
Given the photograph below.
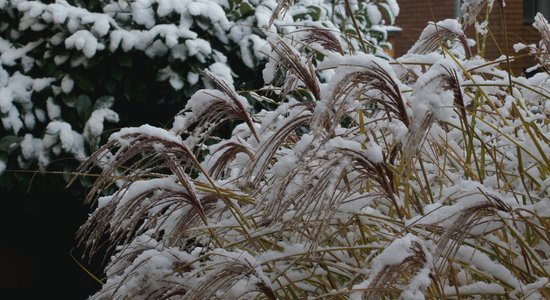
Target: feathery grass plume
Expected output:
[126,278]
[142,157]
[471,9]
[302,70]
[322,36]
[454,84]
[442,34]
[471,14]
[281,8]
[314,38]
[226,152]
[370,80]
[150,145]
[208,109]
[477,214]
[312,204]
[230,274]
[278,129]
[542,53]
[401,271]
[433,96]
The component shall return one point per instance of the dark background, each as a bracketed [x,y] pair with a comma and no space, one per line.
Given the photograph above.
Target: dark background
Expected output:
[38,231]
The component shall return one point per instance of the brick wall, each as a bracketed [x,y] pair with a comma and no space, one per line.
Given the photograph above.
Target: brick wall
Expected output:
[415,15]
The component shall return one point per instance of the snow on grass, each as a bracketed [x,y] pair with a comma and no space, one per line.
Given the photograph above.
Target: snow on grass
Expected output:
[146,130]
[419,178]
[390,201]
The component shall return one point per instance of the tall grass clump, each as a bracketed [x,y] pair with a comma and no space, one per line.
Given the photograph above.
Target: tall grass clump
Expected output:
[426,176]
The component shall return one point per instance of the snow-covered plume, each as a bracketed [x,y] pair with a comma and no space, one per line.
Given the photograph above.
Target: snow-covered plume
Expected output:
[471,9]
[447,32]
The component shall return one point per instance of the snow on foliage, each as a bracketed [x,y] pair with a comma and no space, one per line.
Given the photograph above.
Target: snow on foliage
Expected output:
[470,9]
[54,56]
[420,177]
